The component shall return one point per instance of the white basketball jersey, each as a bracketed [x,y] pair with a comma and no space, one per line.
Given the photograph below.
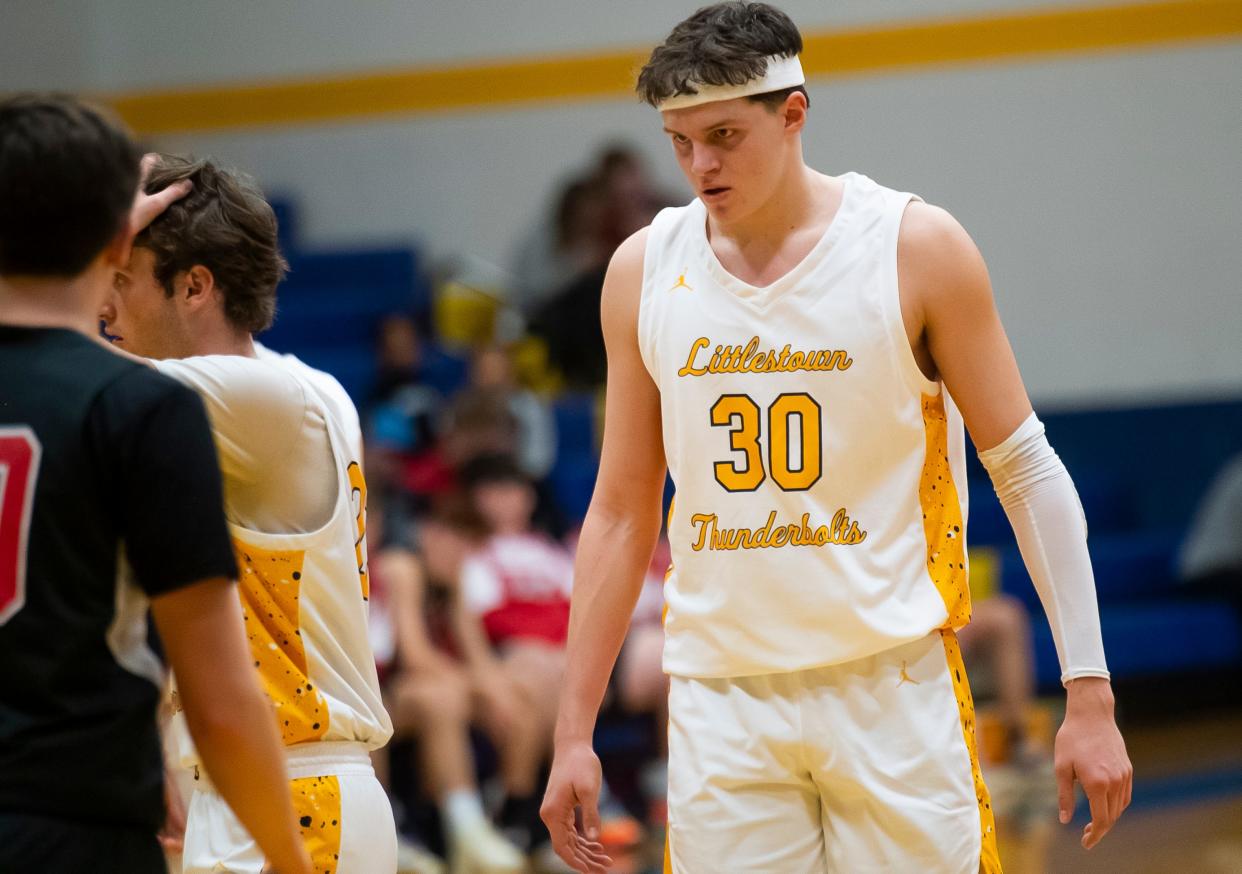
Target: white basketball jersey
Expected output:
[304,595]
[820,508]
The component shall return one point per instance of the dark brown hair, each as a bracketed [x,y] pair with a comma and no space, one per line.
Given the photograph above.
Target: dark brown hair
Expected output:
[225,225]
[68,175]
[723,44]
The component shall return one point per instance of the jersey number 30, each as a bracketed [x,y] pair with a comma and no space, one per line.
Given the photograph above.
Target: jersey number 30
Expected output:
[19,465]
[743,418]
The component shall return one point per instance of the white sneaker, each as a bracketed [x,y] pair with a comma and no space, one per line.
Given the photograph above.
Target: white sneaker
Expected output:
[481,849]
[415,859]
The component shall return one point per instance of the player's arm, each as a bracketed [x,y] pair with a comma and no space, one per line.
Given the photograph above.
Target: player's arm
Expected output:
[228,716]
[618,537]
[946,291]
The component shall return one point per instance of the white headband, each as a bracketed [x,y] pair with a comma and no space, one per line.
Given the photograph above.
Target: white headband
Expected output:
[781,73]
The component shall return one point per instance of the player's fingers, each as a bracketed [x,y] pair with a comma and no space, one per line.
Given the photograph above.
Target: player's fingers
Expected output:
[162,199]
[146,165]
[590,814]
[1065,792]
[1097,790]
[590,856]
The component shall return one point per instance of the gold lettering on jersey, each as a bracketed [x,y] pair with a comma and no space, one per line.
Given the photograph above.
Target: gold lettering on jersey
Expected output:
[751,359]
[842,531]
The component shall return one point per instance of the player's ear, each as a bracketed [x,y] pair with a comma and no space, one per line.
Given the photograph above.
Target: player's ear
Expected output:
[196,286]
[794,112]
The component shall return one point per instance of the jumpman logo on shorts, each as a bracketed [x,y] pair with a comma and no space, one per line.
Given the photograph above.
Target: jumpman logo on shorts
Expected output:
[904,677]
[681,283]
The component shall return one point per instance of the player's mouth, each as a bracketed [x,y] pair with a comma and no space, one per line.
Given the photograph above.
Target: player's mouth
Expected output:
[715,193]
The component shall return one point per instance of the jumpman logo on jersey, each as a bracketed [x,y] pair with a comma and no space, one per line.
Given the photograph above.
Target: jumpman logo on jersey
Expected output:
[906,678]
[681,283]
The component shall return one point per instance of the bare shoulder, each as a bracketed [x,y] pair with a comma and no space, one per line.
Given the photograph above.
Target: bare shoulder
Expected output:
[629,257]
[936,256]
[624,280]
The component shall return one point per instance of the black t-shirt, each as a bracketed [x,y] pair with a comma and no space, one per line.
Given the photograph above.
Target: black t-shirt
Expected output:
[108,475]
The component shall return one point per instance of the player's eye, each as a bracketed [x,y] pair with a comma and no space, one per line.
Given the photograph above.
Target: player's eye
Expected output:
[723,133]
[119,281]
[680,139]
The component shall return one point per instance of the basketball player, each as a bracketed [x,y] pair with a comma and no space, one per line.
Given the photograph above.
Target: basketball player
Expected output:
[797,347]
[201,280]
[110,499]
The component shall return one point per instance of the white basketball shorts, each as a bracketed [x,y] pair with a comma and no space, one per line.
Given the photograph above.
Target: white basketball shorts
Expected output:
[867,766]
[343,812]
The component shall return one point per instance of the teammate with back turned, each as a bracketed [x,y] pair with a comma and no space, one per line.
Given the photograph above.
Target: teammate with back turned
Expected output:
[796,348]
[110,500]
[200,283]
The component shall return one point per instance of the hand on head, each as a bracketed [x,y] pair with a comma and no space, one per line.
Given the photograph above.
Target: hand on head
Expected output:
[149,206]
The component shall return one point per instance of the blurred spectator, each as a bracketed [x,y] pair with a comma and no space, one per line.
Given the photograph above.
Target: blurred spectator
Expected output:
[1211,556]
[631,197]
[402,414]
[566,314]
[518,583]
[569,324]
[557,249]
[520,421]
[432,697]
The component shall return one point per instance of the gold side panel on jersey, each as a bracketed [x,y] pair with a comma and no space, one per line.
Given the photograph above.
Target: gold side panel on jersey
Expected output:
[271,582]
[942,516]
[989,857]
[317,806]
[358,501]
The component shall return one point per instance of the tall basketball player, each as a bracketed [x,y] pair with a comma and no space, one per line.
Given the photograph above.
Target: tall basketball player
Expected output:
[110,501]
[201,281]
[797,348]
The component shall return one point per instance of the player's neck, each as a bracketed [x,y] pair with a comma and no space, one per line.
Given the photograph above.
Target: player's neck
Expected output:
[221,338]
[795,203]
[51,302]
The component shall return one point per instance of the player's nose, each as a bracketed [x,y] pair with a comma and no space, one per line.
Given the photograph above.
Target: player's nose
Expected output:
[703,160]
[107,312]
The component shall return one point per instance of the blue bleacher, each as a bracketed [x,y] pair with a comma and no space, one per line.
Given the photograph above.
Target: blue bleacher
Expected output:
[330,305]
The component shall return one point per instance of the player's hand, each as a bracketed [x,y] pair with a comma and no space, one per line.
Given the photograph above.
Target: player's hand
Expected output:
[1089,749]
[148,206]
[574,782]
[172,834]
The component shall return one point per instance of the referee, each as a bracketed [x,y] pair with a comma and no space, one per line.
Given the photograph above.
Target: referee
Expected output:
[110,503]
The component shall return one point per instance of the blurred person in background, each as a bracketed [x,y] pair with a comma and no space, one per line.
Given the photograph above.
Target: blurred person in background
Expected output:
[571,241]
[518,584]
[567,319]
[110,503]
[433,698]
[403,416]
[201,281]
[492,371]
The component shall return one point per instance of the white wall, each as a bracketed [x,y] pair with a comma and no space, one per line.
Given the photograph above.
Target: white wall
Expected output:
[1104,190]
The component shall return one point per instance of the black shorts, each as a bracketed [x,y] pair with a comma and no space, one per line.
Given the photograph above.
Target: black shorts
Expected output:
[32,844]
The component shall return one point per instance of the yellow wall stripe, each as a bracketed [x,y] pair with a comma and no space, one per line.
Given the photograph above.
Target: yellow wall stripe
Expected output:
[611,75]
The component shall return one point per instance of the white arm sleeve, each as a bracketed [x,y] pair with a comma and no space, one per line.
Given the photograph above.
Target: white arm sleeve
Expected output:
[1047,518]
